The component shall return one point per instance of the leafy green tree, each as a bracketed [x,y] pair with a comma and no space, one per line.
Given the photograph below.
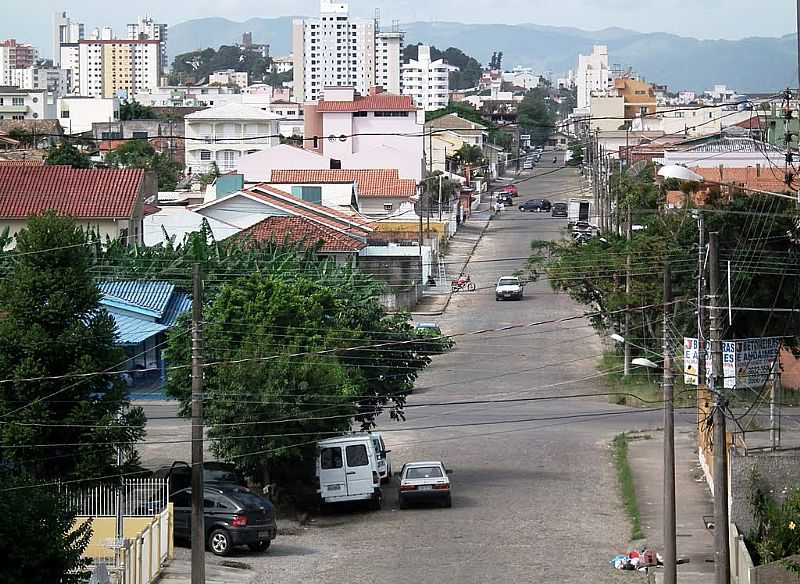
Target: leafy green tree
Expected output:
[469,154]
[536,113]
[133,110]
[53,330]
[464,110]
[66,154]
[577,153]
[141,154]
[198,65]
[36,528]
[288,368]
[24,137]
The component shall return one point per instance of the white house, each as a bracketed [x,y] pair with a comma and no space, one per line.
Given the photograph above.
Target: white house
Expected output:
[229,77]
[26,104]
[367,132]
[76,114]
[223,135]
[428,82]
[257,167]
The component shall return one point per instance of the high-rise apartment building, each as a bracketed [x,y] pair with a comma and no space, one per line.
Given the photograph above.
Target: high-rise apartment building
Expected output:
[105,68]
[147,29]
[337,50]
[52,80]
[14,55]
[65,32]
[593,75]
[427,81]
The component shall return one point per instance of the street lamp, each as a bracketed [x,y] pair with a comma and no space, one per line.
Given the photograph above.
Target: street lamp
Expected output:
[642,362]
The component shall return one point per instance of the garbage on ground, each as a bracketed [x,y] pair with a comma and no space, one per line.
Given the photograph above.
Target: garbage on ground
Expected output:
[640,560]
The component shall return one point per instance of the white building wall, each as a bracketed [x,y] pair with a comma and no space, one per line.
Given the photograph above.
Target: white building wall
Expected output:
[225,142]
[593,74]
[77,114]
[53,80]
[428,82]
[26,105]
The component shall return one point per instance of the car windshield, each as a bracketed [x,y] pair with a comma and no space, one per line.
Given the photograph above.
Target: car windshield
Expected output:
[249,500]
[221,476]
[424,472]
[508,282]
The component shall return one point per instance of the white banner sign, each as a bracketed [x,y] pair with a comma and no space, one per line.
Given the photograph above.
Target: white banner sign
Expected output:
[745,363]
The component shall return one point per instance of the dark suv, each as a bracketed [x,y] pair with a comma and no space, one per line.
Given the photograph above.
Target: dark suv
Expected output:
[179,474]
[234,516]
[560,210]
[536,206]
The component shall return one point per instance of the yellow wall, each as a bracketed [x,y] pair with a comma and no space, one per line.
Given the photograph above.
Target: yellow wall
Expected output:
[104,529]
[117,68]
[412,227]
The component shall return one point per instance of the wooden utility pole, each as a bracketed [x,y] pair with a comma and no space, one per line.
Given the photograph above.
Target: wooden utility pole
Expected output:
[198,487]
[670,544]
[717,386]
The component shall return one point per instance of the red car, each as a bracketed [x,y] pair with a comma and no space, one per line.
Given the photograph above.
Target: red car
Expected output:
[511,190]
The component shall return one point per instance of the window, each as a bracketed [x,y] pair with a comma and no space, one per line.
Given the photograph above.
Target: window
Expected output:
[391,114]
[182,499]
[424,472]
[17,101]
[336,164]
[360,115]
[357,455]
[308,194]
[140,136]
[331,458]
[205,155]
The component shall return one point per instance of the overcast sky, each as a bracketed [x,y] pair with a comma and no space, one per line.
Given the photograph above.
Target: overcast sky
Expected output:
[730,19]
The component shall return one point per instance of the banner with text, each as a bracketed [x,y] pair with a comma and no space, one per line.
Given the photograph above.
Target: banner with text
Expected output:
[745,363]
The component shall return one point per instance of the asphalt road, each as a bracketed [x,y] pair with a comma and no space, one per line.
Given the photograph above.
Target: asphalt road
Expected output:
[534,489]
[534,495]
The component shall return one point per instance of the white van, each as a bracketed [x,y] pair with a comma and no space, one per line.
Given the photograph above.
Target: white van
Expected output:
[382,455]
[347,470]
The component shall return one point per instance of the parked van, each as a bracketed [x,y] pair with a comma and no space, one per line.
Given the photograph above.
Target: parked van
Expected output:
[347,470]
[384,462]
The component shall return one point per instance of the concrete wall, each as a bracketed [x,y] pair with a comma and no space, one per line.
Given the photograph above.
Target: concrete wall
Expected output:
[778,471]
[104,529]
[401,299]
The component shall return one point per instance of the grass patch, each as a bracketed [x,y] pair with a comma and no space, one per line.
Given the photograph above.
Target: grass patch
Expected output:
[626,486]
[642,388]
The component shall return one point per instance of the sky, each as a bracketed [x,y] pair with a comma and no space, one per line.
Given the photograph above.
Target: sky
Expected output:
[728,19]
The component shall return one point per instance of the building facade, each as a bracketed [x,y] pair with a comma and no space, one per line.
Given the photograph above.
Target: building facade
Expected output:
[229,77]
[25,104]
[14,55]
[593,74]
[108,68]
[55,81]
[220,136]
[65,32]
[76,114]
[148,29]
[427,81]
[336,50]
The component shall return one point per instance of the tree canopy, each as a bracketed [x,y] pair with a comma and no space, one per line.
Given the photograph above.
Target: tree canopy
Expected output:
[53,327]
[65,154]
[133,110]
[141,154]
[198,65]
[537,114]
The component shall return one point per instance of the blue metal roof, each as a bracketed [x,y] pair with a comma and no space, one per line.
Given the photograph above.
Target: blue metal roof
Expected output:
[151,297]
[178,304]
[132,331]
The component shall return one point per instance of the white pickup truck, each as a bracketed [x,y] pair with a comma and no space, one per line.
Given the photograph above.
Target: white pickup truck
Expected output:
[508,288]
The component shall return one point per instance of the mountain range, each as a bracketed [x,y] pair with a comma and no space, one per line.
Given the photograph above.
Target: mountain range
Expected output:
[756,64]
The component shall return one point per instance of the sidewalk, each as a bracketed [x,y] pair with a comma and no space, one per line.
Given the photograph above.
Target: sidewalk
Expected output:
[461,246]
[693,501]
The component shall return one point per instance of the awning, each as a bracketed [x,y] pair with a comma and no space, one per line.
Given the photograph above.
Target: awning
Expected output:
[132,331]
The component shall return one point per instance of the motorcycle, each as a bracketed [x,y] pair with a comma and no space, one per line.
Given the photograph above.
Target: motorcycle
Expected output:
[463,283]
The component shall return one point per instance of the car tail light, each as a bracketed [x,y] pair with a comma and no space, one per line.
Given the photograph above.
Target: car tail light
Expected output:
[408,488]
[239,520]
[444,487]
[376,479]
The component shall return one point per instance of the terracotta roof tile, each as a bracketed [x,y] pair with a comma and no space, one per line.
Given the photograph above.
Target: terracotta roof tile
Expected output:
[302,230]
[381,102]
[765,179]
[371,183]
[81,193]
[21,163]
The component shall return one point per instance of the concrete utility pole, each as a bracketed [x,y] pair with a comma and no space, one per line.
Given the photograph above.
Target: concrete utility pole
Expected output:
[670,544]
[701,257]
[628,284]
[441,177]
[198,488]
[721,550]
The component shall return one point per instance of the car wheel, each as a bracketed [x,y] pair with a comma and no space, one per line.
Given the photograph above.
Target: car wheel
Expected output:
[219,542]
[261,546]
[522,209]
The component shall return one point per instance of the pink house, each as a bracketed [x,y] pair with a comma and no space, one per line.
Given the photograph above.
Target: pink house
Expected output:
[367,132]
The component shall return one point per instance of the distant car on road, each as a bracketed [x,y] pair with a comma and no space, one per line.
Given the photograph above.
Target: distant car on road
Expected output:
[424,482]
[536,206]
[560,210]
[505,198]
[508,288]
[233,516]
[511,190]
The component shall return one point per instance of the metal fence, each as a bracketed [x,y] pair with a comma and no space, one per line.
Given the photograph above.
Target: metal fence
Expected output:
[137,498]
[142,558]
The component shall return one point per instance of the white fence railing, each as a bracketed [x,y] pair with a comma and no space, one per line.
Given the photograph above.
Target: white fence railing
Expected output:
[142,558]
[742,569]
[138,498]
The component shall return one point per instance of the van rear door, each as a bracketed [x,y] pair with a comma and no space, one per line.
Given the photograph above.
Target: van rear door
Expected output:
[359,469]
[332,479]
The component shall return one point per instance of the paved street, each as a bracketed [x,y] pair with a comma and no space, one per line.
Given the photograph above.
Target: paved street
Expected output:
[534,500]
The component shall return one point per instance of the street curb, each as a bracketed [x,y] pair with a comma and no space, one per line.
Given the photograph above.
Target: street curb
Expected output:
[464,265]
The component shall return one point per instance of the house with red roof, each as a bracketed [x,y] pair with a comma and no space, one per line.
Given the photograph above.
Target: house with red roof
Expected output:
[109,202]
[378,192]
[367,132]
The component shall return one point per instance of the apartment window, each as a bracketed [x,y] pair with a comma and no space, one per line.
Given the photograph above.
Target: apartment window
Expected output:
[20,117]
[360,115]
[17,101]
[205,155]
[64,113]
[391,114]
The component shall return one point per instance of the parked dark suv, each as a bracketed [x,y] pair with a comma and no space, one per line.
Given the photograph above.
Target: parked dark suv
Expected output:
[560,210]
[179,474]
[536,206]
[234,516]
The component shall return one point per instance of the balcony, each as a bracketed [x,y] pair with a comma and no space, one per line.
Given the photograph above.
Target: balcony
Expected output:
[14,109]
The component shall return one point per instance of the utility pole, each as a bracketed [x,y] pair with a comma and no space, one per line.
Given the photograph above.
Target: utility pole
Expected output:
[628,283]
[441,177]
[198,488]
[721,551]
[701,273]
[670,544]
[774,404]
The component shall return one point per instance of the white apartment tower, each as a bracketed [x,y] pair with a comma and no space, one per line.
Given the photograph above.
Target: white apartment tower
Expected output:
[593,74]
[106,68]
[148,29]
[65,32]
[427,81]
[336,50]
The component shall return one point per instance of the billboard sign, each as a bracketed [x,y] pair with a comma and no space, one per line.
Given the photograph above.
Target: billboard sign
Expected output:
[745,363]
